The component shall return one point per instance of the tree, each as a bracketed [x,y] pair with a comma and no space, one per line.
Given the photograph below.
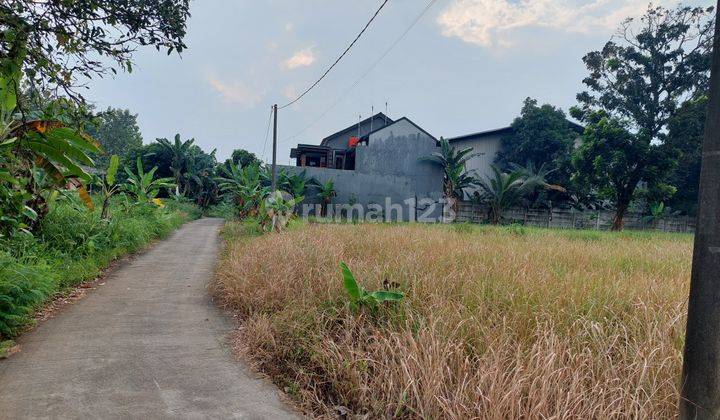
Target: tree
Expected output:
[244,158]
[613,161]
[118,133]
[455,178]
[685,131]
[180,152]
[541,135]
[502,190]
[60,41]
[635,86]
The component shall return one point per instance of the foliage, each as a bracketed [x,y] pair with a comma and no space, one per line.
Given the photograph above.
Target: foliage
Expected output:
[361,298]
[502,190]
[541,135]
[118,133]
[66,39]
[660,60]
[72,245]
[326,192]
[108,184]
[455,178]
[613,161]
[276,210]
[144,186]
[243,185]
[658,211]
[538,176]
[635,86]
[685,135]
[180,152]
[244,158]
[38,156]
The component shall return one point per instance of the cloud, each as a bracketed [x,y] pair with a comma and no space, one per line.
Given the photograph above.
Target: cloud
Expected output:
[302,58]
[290,92]
[235,92]
[492,22]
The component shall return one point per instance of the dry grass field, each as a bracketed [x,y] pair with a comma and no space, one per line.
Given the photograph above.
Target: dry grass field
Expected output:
[496,322]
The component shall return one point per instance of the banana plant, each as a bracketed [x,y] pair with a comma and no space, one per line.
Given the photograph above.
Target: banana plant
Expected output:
[326,192]
[43,145]
[108,185]
[277,210]
[142,186]
[359,297]
[244,185]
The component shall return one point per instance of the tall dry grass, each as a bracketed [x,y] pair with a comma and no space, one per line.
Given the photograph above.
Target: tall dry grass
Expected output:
[497,323]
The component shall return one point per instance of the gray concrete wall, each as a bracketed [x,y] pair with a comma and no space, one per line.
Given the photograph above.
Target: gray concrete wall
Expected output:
[387,171]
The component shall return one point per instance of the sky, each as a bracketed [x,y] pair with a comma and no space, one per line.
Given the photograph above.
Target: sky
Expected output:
[466,66]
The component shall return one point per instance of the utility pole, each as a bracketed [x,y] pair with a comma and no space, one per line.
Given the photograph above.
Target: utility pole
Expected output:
[274,159]
[700,382]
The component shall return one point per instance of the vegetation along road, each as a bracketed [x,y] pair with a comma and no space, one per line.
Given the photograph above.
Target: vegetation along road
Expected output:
[147,344]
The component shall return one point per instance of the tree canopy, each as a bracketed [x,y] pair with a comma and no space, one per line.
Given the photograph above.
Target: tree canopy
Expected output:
[62,41]
[117,131]
[650,67]
[541,135]
[636,85]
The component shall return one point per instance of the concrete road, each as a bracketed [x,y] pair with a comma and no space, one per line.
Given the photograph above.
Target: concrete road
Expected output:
[148,344]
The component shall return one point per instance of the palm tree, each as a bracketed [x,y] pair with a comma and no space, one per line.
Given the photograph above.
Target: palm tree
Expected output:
[455,178]
[537,196]
[180,152]
[502,190]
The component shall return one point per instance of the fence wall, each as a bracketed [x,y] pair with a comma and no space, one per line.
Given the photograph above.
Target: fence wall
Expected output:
[574,219]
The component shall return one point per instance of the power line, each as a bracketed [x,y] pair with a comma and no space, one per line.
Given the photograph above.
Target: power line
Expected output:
[367,25]
[367,71]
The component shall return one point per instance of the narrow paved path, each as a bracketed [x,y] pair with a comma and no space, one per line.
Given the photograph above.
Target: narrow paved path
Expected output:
[148,344]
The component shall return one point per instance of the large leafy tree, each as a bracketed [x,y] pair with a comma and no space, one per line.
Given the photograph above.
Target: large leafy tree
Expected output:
[685,132]
[614,160]
[65,41]
[541,135]
[635,86]
[117,131]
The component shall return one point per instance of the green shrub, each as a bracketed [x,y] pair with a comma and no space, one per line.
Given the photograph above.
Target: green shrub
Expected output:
[73,245]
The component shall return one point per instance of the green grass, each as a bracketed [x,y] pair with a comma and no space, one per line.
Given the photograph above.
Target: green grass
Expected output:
[73,245]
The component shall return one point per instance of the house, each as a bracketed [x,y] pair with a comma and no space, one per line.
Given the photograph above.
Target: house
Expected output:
[376,162]
[337,150]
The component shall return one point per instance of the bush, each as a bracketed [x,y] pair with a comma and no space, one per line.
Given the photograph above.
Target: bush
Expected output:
[73,245]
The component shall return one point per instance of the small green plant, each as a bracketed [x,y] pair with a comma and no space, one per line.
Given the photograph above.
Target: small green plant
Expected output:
[143,186]
[326,192]
[108,185]
[360,297]
[277,210]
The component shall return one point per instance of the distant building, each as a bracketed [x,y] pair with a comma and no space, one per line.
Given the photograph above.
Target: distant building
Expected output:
[337,150]
[487,144]
[375,162]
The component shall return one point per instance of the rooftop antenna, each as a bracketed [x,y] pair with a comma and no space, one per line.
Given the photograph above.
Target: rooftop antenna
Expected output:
[386,112]
[359,118]
[372,116]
